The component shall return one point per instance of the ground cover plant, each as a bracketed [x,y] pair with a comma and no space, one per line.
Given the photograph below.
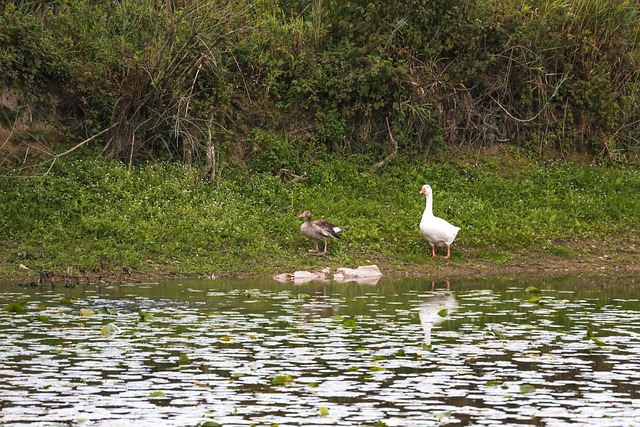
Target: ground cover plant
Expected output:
[96,217]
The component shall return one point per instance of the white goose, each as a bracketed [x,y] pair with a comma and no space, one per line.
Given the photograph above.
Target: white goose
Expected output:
[437,231]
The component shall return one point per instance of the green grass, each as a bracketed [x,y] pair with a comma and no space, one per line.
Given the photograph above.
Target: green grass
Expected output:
[162,219]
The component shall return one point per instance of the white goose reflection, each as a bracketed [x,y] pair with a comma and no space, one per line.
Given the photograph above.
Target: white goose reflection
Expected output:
[431,309]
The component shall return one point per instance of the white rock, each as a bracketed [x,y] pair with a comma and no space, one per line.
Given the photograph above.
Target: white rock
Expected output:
[368,274]
[308,275]
[284,277]
[300,277]
[364,271]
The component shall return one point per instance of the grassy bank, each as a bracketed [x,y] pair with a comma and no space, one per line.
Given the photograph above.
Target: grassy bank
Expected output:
[101,218]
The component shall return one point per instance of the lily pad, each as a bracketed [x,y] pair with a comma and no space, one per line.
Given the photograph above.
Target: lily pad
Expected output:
[110,329]
[349,323]
[157,394]
[14,307]
[184,359]
[282,380]
[527,388]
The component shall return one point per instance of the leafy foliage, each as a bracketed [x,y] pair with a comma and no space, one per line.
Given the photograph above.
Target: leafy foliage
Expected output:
[170,80]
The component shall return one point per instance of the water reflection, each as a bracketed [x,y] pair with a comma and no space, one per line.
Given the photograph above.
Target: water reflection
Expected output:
[317,305]
[213,350]
[439,304]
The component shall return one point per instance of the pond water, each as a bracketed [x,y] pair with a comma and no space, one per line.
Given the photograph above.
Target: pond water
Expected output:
[550,352]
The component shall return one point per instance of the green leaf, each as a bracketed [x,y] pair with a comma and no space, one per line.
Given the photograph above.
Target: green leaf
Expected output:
[443,312]
[532,290]
[349,323]
[110,329]
[184,359]
[157,394]
[144,316]
[496,333]
[324,411]
[282,379]
[589,333]
[86,312]
[14,307]
[527,388]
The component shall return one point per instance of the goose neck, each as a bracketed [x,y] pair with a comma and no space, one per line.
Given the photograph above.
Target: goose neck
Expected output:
[428,210]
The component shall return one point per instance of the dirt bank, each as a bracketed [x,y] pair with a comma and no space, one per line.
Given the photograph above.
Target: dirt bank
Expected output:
[586,258]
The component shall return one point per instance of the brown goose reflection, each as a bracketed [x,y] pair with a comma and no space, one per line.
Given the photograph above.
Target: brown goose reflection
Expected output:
[317,306]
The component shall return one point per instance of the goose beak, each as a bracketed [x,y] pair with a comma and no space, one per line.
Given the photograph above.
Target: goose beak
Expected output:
[423,191]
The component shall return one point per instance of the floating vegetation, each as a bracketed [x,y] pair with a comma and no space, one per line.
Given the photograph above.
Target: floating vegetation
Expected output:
[157,395]
[14,307]
[349,322]
[110,329]
[527,388]
[204,354]
[282,379]
[184,359]
[144,316]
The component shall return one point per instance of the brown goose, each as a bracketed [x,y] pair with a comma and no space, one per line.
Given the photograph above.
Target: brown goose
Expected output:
[318,230]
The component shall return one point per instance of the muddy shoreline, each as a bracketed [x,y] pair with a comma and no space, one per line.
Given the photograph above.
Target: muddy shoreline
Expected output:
[607,264]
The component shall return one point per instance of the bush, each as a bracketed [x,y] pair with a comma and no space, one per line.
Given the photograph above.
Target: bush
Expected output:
[168,80]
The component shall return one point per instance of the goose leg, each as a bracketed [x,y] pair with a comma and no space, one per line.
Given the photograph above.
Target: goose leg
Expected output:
[314,250]
[325,249]
[448,252]
[433,251]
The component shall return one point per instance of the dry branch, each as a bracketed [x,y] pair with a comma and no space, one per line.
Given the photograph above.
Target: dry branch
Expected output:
[391,156]
[293,177]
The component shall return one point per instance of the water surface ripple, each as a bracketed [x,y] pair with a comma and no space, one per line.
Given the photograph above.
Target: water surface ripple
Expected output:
[398,353]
